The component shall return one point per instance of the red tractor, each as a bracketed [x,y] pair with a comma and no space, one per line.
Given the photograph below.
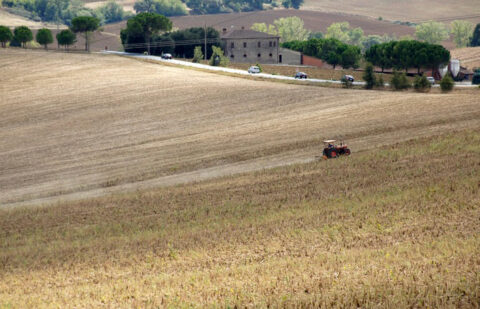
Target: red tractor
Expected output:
[332,150]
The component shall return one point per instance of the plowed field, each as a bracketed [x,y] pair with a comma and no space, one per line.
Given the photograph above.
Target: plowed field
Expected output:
[406,10]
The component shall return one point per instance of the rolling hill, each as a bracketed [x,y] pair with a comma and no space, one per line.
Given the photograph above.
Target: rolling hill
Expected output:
[167,187]
[405,10]
[85,125]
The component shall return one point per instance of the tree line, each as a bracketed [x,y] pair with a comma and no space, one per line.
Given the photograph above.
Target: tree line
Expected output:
[407,54]
[63,11]
[330,50]
[230,6]
[150,32]
[21,35]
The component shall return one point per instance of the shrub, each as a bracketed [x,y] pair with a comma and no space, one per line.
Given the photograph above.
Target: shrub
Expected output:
[197,54]
[399,81]
[218,59]
[259,67]
[421,84]
[369,77]
[446,84]
[380,83]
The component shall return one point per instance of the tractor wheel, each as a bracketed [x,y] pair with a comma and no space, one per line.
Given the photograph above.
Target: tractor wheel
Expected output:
[333,154]
[347,152]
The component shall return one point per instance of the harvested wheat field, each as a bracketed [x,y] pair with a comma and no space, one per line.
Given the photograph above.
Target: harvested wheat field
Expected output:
[395,226]
[469,56]
[75,126]
[12,20]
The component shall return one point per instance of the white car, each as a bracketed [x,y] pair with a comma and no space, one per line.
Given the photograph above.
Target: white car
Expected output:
[431,80]
[253,69]
[167,56]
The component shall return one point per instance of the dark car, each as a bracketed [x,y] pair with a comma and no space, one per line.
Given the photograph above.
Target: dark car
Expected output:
[301,75]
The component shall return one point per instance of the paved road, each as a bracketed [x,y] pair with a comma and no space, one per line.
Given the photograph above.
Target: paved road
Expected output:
[228,70]
[263,75]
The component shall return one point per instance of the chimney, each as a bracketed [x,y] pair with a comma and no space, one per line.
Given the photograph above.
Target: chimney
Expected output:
[243,27]
[224,30]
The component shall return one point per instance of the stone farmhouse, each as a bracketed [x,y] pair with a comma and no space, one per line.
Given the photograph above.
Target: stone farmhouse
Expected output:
[250,46]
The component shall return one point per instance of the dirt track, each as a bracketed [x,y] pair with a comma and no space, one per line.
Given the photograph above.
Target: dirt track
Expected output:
[75,126]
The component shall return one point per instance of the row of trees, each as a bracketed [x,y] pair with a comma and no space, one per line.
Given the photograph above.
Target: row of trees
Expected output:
[163,7]
[463,32]
[151,32]
[331,50]
[399,81]
[407,54]
[229,6]
[22,35]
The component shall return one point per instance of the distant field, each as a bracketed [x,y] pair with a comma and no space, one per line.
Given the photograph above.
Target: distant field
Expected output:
[315,21]
[86,125]
[8,19]
[469,56]
[405,10]
[392,227]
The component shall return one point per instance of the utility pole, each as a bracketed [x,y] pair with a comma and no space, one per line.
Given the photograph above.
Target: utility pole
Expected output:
[205,41]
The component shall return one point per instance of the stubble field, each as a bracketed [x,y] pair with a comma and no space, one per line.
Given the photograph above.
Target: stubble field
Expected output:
[391,226]
[85,125]
[396,226]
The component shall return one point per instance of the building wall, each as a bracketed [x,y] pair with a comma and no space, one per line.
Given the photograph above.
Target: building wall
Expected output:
[288,56]
[267,53]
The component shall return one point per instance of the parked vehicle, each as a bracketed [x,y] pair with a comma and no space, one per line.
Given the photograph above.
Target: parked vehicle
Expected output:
[254,69]
[331,150]
[431,80]
[301,75]
[167,56]
[476,77]
[348,78]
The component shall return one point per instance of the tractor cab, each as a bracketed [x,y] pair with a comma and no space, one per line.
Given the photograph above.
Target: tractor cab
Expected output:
[332,150]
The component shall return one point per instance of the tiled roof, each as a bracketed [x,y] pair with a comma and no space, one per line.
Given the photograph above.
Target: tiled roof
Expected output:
[247,34]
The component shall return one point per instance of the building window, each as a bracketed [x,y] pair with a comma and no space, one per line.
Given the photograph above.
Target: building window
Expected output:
[271,43]
[259,55]
[274,43]
[271,55]
[232,45]
[259,44]
[244,44]
[232,56]
[244,55]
